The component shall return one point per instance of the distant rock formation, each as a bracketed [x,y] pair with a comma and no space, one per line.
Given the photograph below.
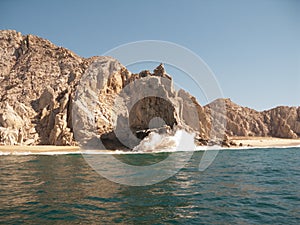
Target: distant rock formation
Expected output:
[282,121]
[47,90]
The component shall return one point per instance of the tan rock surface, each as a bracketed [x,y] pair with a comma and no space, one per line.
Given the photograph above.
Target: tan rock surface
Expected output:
[35,75]
[124,105]
[281,122]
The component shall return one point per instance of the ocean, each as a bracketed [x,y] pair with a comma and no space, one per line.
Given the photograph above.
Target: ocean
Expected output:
[254,186]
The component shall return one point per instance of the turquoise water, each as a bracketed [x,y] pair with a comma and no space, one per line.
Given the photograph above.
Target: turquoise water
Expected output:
[259,186]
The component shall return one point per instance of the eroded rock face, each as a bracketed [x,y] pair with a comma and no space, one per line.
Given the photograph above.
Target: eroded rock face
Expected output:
[35,76]
[10,42]
[122,104]
[282,122]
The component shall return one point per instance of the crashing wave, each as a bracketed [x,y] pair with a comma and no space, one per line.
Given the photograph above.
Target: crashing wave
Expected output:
[178,141]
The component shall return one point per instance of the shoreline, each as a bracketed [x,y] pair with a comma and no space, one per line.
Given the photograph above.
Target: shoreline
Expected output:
[37,149]
[246,142]
[265,142]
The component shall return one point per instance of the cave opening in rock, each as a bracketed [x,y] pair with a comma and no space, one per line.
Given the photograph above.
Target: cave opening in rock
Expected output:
[151,113]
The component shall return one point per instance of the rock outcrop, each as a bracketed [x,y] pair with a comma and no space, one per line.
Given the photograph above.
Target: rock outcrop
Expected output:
[282,121]
[124,106]
[36,79]
[39,101]
[51,96]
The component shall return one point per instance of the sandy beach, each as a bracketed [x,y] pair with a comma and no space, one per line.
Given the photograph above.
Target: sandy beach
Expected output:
[245,141]
[38,149]
[265,141]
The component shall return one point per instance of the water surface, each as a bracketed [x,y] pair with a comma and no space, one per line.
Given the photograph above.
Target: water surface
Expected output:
[258,186]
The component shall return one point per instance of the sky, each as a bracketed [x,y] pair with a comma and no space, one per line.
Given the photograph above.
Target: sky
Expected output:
[252,46]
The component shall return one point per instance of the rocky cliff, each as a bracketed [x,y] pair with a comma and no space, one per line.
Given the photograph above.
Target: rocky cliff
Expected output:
[37,79]
[46,91]
[49,95]
[282,121]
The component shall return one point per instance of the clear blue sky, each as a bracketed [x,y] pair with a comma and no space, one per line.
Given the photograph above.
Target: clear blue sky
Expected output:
[253,46]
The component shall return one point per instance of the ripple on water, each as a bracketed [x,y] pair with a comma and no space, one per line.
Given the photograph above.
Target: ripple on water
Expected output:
[240,187]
